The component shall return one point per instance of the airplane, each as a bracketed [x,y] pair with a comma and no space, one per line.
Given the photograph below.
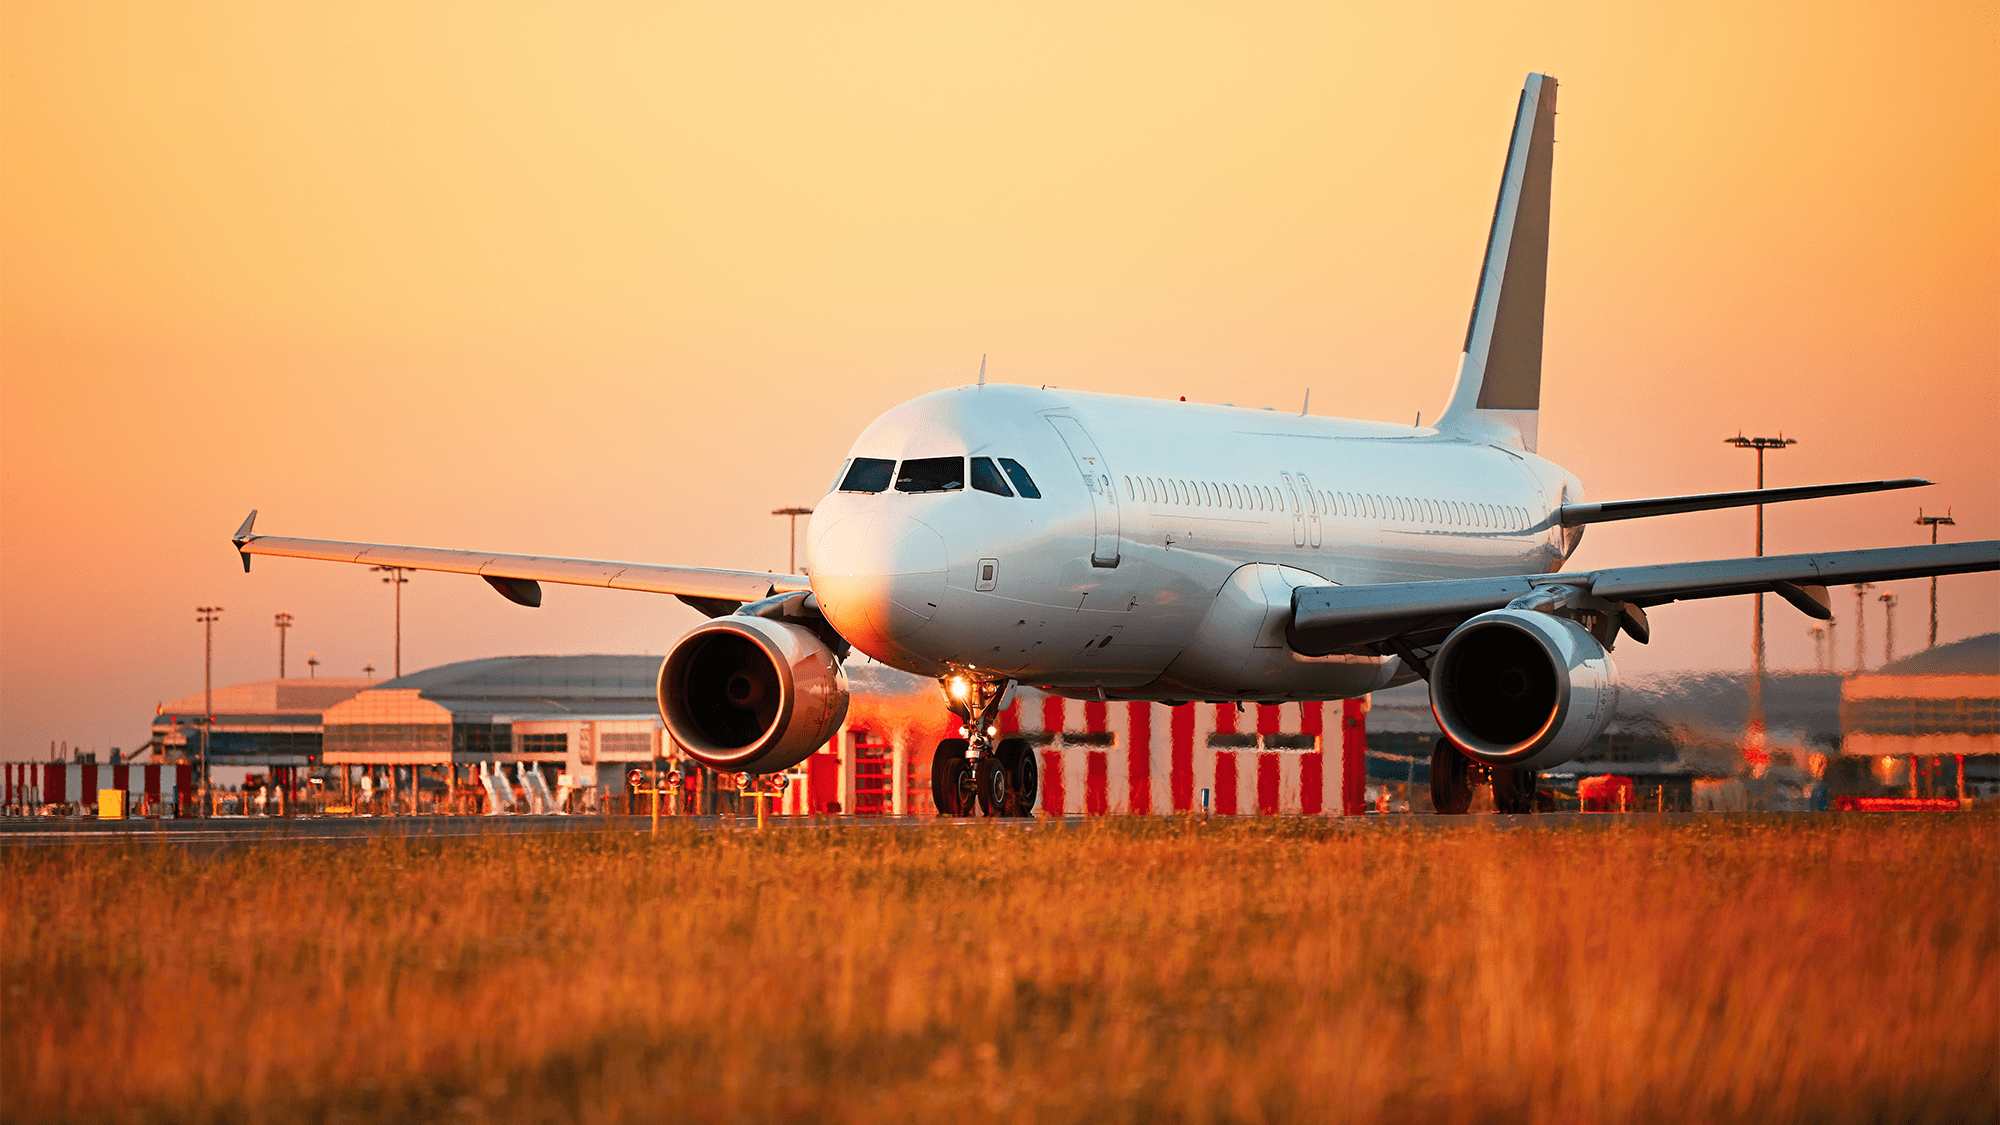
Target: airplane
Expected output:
[1111,547]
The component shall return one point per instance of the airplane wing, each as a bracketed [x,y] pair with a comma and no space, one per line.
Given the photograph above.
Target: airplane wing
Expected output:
[1576,515]
[518,577]
[1398,616]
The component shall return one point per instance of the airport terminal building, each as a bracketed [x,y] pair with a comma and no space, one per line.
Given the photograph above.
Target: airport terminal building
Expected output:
[260,724]
[573,712]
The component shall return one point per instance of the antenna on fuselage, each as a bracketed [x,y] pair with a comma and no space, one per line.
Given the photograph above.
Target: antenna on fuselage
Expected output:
[1307,404]
[982,370]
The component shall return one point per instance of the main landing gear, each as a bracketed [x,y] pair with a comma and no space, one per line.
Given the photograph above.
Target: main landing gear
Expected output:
[1453,776]
[975,775]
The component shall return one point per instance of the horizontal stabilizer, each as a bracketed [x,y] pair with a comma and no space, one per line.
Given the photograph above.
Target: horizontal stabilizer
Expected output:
[1576,515]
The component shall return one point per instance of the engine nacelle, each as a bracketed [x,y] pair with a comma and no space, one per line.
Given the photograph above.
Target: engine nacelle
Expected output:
[1523,688]
[751,695]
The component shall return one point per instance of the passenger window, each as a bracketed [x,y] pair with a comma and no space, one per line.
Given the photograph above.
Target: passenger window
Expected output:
[986,478]
[868,474]
[1023,483]
[932,474]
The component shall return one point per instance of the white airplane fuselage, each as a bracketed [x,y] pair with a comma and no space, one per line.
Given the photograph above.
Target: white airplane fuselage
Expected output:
[1159,561]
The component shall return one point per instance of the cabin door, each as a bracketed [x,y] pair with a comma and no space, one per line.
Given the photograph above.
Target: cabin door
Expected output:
[1096,475]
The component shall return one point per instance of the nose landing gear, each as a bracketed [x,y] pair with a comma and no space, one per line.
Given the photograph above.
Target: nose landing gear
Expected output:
[973,772]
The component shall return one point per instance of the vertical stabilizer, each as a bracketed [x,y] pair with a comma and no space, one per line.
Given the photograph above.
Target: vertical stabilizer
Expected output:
[1498,395]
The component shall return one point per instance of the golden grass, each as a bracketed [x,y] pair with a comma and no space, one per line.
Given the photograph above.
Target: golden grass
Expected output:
[1843,968]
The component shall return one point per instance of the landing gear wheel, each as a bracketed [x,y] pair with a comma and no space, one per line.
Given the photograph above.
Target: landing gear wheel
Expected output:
[1451,778]
[1011,786]
[951,779]
[990,780]
[1515,789]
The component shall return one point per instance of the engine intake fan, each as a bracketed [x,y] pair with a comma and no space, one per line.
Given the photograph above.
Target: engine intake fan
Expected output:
[1523,688]
[750,694]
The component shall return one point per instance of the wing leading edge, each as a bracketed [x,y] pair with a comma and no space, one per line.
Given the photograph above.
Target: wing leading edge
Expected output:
[712,591]
[1391,616]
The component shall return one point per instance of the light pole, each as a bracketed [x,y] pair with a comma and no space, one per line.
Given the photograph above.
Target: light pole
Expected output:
[368,669]
[1756,731]
[792,559]
[1861,625]
[284,623]
[312,665]
[210,614]
[1934,522]
[1888,627]
[397,580]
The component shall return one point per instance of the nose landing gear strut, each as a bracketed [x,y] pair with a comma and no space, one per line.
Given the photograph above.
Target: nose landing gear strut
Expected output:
[976,774]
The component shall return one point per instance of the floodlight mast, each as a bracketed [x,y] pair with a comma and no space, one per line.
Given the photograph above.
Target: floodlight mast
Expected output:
[1934,522]
[396,579]
[1756,724]
[792,558]
[209,615]
[284,623]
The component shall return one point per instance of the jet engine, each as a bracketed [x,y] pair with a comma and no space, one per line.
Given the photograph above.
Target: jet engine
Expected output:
[1523,688]
[750,694]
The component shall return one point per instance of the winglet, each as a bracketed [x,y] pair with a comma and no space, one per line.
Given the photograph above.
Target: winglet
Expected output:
[242,536]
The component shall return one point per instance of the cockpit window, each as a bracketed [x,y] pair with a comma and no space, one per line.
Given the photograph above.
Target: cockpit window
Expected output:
[932,474]
[986,478]
[840,474]
[868,474]
[1023,483]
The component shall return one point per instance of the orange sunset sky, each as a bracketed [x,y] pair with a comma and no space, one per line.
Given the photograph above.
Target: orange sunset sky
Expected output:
[615,281]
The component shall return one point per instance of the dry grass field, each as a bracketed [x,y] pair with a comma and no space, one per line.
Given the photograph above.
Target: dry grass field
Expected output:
[1833,969]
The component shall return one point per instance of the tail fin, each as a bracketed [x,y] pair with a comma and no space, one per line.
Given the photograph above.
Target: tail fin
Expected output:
[1498,394]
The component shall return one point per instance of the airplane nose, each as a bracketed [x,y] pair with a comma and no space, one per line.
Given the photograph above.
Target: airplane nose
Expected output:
[878,575]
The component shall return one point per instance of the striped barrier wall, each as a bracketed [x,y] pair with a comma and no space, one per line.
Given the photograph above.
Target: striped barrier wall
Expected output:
[1291,759]
[56,783]
[1103,758]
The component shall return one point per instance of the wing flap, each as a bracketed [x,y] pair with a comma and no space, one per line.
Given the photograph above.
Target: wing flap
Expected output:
[1331,619]
[683,581]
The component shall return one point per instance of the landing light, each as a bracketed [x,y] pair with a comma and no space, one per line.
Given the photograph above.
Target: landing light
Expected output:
[991,731]
[960,688]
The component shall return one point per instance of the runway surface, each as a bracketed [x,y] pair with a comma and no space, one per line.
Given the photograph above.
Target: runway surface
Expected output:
[225,833]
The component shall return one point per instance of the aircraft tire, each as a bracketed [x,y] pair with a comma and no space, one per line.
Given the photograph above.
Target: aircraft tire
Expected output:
[991,783]
[948,773]
[1515,790]
[1023,773]
[1451,778]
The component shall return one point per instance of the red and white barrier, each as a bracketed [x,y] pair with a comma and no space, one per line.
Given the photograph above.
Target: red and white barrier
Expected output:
[1297,759]
[57,783]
